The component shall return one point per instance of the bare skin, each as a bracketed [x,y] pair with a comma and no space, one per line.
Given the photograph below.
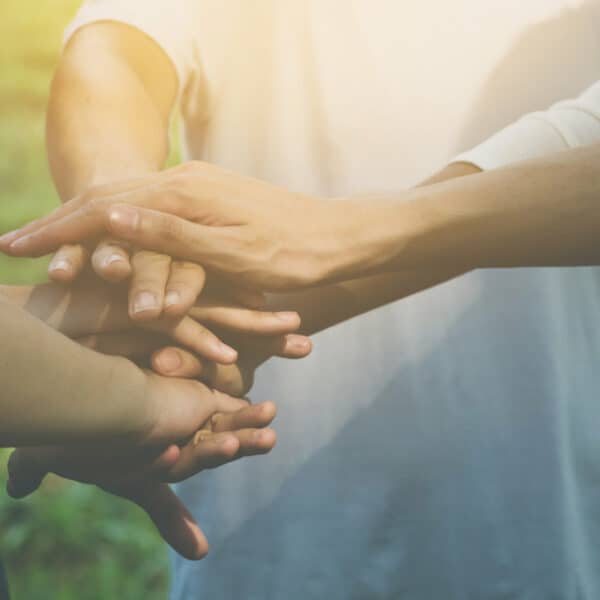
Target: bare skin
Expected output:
[128,430]
[541,212]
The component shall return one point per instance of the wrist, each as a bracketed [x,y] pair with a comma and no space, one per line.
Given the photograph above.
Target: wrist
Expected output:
[131,414]
[343,247]
[368,235]
[388,233]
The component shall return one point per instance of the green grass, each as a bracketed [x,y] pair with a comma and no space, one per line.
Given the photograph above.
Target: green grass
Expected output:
[68,541]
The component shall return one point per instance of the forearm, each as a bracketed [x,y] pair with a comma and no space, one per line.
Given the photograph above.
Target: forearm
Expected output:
[55,391]
[543,212]
[324,307]
[109,108]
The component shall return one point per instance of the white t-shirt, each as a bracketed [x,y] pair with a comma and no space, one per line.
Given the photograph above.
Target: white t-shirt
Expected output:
[445,446]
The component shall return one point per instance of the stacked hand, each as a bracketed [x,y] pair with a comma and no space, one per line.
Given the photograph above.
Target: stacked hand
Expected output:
[191,428]
[254,233]
[184,324]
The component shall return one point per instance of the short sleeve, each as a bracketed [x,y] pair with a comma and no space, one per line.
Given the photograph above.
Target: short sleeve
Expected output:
[172,24]
[565,125]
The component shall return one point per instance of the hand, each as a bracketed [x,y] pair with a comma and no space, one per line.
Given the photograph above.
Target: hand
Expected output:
[140,474]
[158,284]
[236,379]
[150,349]
[91,307]
[259,235]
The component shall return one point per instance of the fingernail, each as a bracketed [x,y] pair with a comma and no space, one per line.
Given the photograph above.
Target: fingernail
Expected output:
[124,218]
[61,264]
[287,317]
[172,298]
[111,259]
[227,352]
[169,361]
[145,301]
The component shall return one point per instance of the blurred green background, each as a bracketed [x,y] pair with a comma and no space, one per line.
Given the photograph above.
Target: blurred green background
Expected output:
[68,542]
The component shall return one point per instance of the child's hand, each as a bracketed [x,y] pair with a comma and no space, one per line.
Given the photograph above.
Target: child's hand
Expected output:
[139,471]
[236,379]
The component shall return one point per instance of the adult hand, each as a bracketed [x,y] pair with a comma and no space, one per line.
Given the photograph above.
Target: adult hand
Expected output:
[158,284]
[140,473]
[259,235]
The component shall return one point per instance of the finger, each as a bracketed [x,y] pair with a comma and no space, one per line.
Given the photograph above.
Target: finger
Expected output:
[173,235]
[185,283]
[151,229]
[173,520]
[196,337]
[190,404]
[165,462]
[244,320]
[24,474]
[111,261]
[78,202]
[150,273]
[254,442]
[253,416]
[225,403]
[209,450]
[248,298]
[132,344]
[10,236]
[291,346]
[67,263]
[176,362]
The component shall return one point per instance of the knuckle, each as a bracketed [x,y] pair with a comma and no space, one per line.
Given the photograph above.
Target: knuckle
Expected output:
[174,197]
[96,204]
[170,228]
